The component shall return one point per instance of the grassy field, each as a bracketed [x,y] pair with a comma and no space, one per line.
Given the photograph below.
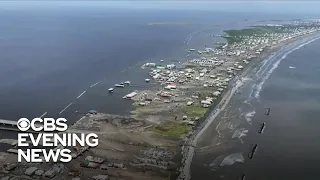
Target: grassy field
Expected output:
[233,36]
[195,111]
[176,129]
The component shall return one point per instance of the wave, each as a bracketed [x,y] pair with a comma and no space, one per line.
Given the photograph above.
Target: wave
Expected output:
[249,116]
[240,133]
[258,86]
[231,159]
[217,161]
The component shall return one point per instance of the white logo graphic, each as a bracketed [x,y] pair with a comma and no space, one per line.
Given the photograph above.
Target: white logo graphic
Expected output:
[23,124]
[50,132]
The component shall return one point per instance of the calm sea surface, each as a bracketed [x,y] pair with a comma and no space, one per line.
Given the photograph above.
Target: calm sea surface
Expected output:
[50,52]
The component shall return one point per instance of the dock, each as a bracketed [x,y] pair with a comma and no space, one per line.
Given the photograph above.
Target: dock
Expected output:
[10,125]
[8,122]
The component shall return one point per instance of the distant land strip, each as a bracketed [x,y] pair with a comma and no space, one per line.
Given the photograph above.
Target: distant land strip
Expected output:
[168,23]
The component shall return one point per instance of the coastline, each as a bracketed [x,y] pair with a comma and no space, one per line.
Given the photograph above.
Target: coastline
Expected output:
[188,150]
[147,144]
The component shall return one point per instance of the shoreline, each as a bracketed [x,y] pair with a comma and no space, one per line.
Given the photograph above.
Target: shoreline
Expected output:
[188,150]
[146,145]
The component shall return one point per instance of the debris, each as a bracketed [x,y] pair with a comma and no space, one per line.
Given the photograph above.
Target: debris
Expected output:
[89,164]
[267,112]
[94,159]
[101,177]
[104,167]
[50,173]
[6,178]
[116,165]
[39,172]
[9,166]
[30,171]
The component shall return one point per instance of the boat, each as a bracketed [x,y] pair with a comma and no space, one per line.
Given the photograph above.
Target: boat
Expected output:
[110,89]
[127,82]
[129,96]
[119,85]
[147,80]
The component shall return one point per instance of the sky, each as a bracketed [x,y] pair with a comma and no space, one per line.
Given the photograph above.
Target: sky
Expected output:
[213,5]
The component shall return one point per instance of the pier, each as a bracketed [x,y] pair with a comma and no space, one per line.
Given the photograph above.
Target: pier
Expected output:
[10,125]
[8,122]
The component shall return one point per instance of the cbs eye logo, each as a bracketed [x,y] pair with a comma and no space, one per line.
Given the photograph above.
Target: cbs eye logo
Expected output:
[46,124]
[23,124]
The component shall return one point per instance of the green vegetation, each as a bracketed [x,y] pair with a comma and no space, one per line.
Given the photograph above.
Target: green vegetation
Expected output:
[168,23]
[234,36]
[195,111]
[172,129]
[144,109]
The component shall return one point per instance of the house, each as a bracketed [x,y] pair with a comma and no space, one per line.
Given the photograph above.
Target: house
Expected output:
[171,66]
[216,93]
[171,86]
[165,94]
[190,123]
[190,103]
[206,102]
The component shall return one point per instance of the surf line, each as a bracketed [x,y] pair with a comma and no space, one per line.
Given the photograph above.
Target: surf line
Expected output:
[276,64]
[81,94]
[65,108]
[95,84]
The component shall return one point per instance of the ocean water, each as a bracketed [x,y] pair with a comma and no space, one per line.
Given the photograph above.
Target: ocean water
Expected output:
[48,58]
[287,83]
[289,147]
[52,52]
